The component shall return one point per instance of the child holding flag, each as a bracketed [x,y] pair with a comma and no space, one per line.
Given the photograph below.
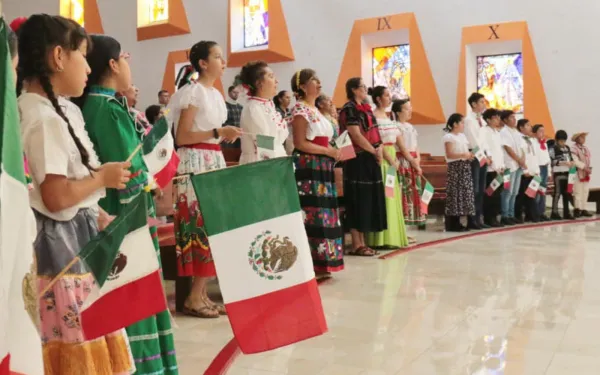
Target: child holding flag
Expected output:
[68,182]
[460,198]
[563,165]
[530,181]
[495,174]
[583,160]
[544,163]
[264,129]
[315,159]
[113,132]
[394,236]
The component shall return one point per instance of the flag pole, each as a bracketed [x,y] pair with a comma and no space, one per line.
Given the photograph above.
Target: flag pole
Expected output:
[137,149]
[61,274]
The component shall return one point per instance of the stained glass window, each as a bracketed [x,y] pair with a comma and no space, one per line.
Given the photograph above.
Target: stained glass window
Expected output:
[500,81]
[256,23]
[72,9]
[391,68]
[158,11]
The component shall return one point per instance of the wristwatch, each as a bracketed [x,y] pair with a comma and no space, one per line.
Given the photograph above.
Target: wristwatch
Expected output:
[215,134]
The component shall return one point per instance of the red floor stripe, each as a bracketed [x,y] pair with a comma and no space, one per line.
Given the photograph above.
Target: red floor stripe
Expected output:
[483,233]
[224,359]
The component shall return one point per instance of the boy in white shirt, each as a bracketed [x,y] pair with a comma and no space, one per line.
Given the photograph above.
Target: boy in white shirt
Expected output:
[545,172]
[491,203]
[474,126]
[514,159]
[525,204]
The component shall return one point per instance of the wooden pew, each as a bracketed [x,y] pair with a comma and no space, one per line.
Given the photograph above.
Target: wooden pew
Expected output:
[595,197]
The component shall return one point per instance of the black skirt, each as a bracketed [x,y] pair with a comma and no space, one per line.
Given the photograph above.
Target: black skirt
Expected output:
[460,197]
[364,194]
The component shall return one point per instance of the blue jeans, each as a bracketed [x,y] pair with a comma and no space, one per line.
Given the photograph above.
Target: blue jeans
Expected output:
[509,196]
[540,200]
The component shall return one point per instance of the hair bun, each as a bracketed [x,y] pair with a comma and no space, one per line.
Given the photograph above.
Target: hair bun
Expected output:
[16,24]
[370,91]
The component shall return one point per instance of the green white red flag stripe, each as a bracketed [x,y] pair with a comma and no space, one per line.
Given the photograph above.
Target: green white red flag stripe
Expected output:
[20,344]
[128,282]
[390,182]
[158,151]
[494,185]
[259,244]
[506,179]
[265,147]
[571,180]
[344,144]
[426,197]
[534,187]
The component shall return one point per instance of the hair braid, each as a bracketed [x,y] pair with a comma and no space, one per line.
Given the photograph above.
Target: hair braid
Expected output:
[47,86]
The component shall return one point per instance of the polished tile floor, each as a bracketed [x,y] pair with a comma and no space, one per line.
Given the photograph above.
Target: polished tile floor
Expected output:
[525,302]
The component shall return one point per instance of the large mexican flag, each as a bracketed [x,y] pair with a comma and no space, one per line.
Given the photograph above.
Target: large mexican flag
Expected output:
[256,233]
[20,345]
[128,282]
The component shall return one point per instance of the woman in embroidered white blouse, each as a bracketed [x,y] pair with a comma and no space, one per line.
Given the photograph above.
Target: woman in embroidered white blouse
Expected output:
[260,121]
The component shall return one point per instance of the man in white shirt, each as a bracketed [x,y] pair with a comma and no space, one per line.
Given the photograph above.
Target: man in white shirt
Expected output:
[474,125]
[514,160]
[524,204]
[491,203]
[544,163]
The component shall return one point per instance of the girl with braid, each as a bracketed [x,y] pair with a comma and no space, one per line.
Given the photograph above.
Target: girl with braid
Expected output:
[113,132]
[68,182]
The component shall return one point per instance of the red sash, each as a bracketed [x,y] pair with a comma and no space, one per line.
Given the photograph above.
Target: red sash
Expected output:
[205,146]
[321,141]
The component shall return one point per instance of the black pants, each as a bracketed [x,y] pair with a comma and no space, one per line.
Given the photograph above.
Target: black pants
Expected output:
[525,204]
[492,204]
[479,185]
[561,183]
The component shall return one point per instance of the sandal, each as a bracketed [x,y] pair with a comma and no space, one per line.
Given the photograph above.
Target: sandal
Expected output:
[363,251]
[220,308]
[322,275]
[412,240]
[205,312]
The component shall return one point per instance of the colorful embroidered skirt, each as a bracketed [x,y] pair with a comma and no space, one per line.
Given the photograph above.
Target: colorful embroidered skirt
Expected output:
[395,234]
[364,194]
[64,348]
[460,198]
[193,251]
[411,193]
[318,198]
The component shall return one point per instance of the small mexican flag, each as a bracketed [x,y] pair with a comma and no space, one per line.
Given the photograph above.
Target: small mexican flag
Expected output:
[159,154]
[344,144]
[494,185]
[534,187]
[123,261]
[542,190]
[426,197]
[265,147]
[572,175]
[506,179]
[390,182]
[20,344]
[480,155]
[259,244]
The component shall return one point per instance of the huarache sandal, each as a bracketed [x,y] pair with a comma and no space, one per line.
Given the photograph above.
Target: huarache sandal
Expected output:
[205,312]
[362,251]
[412,240]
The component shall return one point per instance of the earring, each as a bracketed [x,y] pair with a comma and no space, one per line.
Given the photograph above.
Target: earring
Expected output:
[59,69]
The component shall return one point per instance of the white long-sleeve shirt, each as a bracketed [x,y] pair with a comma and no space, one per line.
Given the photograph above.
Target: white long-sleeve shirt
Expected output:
[474,126]
[495,150]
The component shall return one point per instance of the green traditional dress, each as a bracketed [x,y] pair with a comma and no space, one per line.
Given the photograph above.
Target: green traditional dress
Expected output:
[112,130]
[395,234]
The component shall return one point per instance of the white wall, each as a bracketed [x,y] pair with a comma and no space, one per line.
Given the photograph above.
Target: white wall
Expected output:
[565,39]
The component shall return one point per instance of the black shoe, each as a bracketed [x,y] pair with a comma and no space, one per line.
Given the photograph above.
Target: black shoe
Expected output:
[576,213]
[555,216]
[496,224]
[569,217]
[518,220]
[544,218]
[585,213]
[507,221]
[483,225]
